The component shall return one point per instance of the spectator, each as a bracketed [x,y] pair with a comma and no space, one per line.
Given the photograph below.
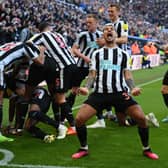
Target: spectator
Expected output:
[135,48]
[146,62]
[141,19]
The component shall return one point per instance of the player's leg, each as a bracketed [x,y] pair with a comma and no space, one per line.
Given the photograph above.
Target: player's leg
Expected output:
[164,91]
[93,104]
[38,102]
[85,113]
[56,110]
[71,98]
[39,106]
[135,112]
[2,138]
[60,99]
[12,107]
[30,126]
[21,111]
[81,75]
[109,114]
[62,84]
[100,122]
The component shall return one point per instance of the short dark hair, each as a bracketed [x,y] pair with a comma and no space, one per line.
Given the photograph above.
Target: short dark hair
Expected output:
[115,5]
[108,24]
[43,25]
[92,15]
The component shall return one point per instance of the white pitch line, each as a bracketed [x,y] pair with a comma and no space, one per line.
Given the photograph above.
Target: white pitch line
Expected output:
[8,157]
[152,81]
[33,166]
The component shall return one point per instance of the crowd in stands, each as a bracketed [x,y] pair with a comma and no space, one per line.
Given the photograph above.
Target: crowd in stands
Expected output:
[20,18]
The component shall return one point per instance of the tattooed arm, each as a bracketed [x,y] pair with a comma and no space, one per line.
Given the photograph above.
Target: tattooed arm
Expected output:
[90,79]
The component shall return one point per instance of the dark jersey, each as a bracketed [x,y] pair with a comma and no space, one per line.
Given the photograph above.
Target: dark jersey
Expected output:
[41,97]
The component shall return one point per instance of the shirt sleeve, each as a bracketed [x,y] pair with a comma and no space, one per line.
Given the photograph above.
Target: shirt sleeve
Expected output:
[36,39]
[32,50]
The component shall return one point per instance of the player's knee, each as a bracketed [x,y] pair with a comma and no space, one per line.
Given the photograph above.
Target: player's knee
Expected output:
[164,89]
[141,121]
[79,121]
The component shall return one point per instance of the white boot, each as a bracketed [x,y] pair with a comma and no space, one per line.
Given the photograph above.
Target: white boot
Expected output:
[62,129]
[151,117]
[98,124]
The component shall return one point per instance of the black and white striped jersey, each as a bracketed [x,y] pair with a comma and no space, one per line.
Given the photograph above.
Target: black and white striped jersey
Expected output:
[11,53]
[87,44]
[109,64]
[55,48]
[121,27]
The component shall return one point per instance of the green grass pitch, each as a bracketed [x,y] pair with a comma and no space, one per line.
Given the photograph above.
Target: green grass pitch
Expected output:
[111,147]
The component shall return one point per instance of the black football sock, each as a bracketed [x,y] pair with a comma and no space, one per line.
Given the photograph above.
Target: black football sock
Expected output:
[144,136]
[21,111]
[71,99]
[66,112]
[56,111]
[108,108]
[12,107]
[99,115]
[37,132]
[39,116]
[165,98]
[82,135]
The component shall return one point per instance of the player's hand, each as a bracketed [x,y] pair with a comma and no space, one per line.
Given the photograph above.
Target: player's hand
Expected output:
[42,49]
[136,91]
[83,91]
[87,59]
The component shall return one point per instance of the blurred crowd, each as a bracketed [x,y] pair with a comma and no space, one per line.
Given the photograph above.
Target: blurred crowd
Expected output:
[19,19]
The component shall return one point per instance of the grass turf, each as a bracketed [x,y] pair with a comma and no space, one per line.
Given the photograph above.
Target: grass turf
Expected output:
[113,147]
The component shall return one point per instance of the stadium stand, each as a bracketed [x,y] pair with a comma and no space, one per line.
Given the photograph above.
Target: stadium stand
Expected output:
[67,17]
